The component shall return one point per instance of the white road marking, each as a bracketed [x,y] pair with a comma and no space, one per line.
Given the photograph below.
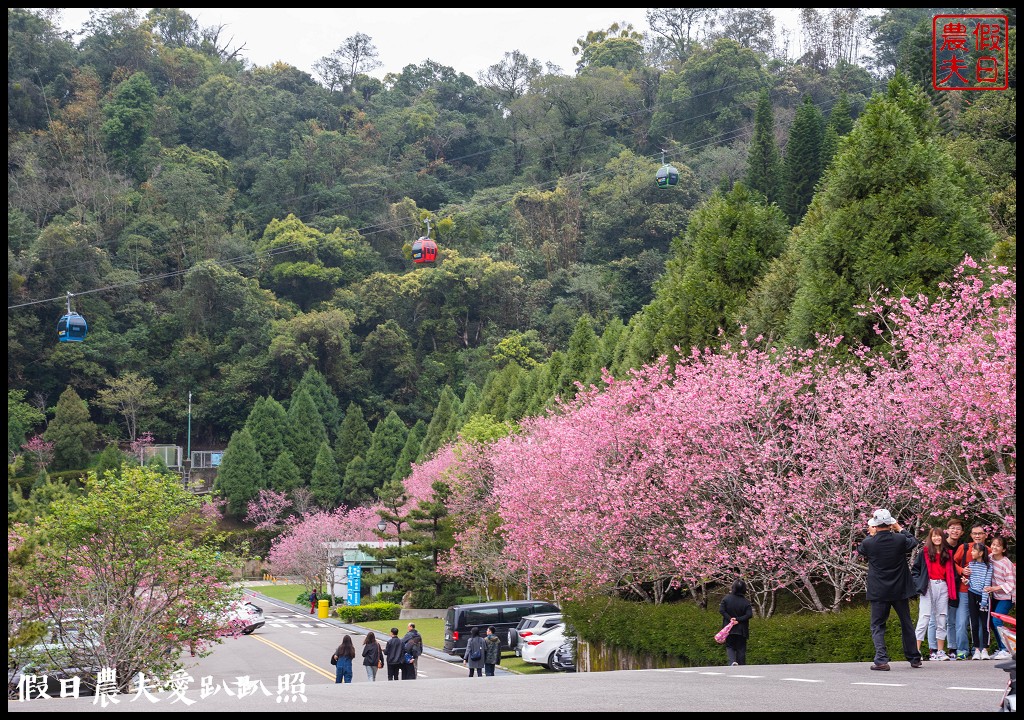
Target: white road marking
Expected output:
[998,690]
[803,680]
[882,684]
[747,676]
[712,673]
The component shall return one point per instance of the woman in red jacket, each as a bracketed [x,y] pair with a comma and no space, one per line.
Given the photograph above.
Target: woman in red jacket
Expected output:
[935,580]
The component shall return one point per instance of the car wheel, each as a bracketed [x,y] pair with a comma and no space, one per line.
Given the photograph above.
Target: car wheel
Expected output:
[248,631]
[550,664]
[513,638]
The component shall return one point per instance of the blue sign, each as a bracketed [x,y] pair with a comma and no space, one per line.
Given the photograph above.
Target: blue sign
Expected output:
[355,584]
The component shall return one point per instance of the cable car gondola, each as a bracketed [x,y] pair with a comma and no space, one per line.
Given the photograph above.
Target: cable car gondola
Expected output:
[72,327]
[424,250]
[668,175]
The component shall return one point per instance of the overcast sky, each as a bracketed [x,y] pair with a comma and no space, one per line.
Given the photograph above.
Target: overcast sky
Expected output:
[468,40]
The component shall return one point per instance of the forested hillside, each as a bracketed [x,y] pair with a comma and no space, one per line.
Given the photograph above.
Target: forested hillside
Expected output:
[244,233]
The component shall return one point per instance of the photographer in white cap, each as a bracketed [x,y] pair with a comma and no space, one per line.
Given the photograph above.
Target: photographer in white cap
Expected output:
[890,585]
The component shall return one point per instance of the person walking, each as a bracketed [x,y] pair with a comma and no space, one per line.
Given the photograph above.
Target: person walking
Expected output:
[735,608]
[343,660]
[980,578]
[312,601]
[412,644]
[889,585]
[935,581]
[1003,589]
[492,651]
[372,656]
[474,657]
[394,654]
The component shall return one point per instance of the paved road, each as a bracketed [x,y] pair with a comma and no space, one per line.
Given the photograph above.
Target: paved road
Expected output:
[297,647]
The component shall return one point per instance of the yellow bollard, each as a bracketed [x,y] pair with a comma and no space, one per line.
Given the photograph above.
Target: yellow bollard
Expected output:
[322,608]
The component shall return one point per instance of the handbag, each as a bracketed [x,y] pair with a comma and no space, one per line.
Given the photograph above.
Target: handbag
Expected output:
[408,658]
[380,659]
[334,659]
[722,634]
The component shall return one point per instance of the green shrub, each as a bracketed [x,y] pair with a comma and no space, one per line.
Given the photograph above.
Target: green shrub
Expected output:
[682,634]
[365,613]
[391,596]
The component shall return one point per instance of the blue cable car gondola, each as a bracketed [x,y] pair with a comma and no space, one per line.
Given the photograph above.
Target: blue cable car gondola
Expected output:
[667,174]
[72,327]
[424,250]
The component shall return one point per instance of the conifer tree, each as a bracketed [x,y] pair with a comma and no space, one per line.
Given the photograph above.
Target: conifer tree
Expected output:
[498,389]
[111,459]
[470,402]
[326,401]
[579,359]
[438,423]
[763,164]
[840,119]
[895,211]
[451,430]
[803,164]
[71,432]
[429,535]
[353,438]
[284,475]
[356,488]
[240,475]
[410,451]
[268,425]
[518,399]
[305,432]
[388,440]
[326,481]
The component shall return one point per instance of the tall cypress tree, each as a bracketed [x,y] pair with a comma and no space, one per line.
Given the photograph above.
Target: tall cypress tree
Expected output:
[353,438]
[803,164]
[305,432]
[71,432]
[239,477]
[326,481]
[410,451]
[438,423]
[470,402]
[268,425]
[326,401]
[579,359]
[388,440]
[763,164]
[356,488]
[284,474]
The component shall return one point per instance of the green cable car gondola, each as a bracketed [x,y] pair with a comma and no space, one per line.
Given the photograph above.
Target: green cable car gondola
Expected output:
[668,175]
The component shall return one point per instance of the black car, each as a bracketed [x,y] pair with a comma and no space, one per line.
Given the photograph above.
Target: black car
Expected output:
[564,658]
[503,616]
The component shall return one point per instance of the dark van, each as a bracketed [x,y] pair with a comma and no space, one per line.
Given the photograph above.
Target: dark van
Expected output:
[504,616]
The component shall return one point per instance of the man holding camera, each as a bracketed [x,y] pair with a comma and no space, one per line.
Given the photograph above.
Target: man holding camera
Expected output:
[889,584]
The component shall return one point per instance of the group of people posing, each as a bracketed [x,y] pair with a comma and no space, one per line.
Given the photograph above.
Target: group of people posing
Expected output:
[400,654]
[961,586]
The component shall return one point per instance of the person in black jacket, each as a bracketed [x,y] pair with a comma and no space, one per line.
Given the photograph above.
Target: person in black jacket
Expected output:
[736,608]
[394,653]
[371,656]
[890,586]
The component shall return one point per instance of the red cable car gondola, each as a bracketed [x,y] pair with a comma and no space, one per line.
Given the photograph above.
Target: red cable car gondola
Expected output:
[424,250]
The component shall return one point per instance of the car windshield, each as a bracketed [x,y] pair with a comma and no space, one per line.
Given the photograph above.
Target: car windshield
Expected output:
[555,630]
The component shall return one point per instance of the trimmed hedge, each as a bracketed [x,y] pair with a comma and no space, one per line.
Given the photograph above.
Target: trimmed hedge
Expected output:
[682,634]
[364,613]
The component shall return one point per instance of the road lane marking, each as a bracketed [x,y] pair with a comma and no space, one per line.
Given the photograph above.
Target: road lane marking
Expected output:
[712,673]
[747,676]
[882,684]
[300,660]
[803,680]
[998,690]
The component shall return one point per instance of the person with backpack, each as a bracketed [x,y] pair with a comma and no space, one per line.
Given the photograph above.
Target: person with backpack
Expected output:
[412,644]
[312,601]
[394,653]
[474,657]
[492,651]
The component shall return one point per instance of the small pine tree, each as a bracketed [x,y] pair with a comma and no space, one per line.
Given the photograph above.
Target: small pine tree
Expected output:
[324,398]
[803,163]
[438,423]
[356,488]
[388,440]
[579,359]
[110,460]
[410,451]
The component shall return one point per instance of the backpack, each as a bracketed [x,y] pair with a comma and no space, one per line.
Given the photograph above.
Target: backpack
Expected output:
[476,653]
[413,647]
